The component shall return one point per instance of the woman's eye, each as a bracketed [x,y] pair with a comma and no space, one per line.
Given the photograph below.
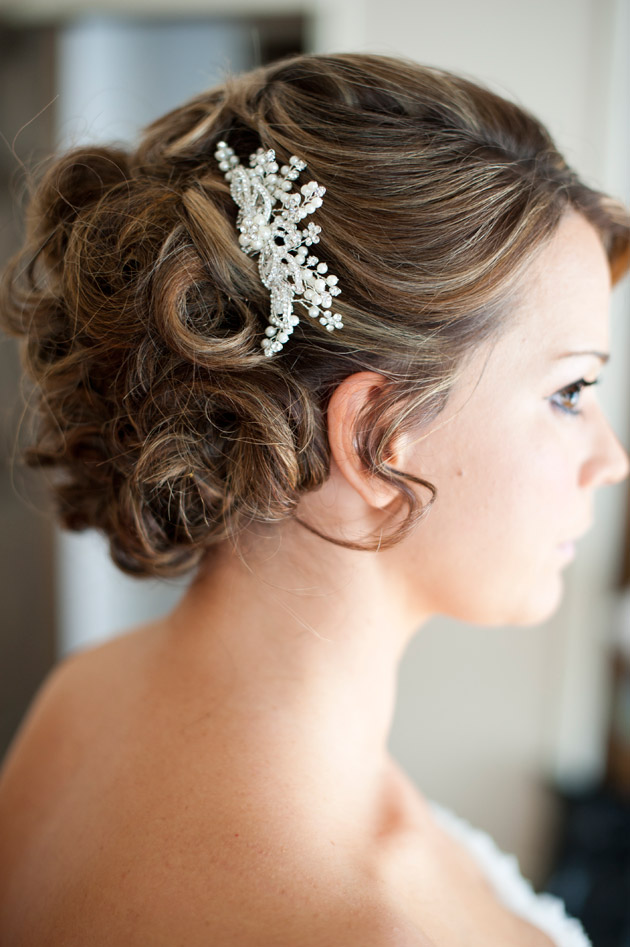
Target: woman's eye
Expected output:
[568,399]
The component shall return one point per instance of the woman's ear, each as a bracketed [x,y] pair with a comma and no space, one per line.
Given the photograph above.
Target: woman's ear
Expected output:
[344,406]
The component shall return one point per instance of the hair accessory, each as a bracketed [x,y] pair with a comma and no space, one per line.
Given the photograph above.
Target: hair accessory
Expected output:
[286,269]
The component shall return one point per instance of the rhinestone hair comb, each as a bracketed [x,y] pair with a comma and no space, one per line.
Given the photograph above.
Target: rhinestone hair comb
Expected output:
[269,214]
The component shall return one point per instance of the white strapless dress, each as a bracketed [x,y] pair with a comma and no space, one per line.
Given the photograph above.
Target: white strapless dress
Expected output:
[544,911]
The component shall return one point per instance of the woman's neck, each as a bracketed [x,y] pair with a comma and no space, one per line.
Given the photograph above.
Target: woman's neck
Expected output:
[302,664]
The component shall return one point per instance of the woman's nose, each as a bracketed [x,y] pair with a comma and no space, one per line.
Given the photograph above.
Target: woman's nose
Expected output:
[609,462]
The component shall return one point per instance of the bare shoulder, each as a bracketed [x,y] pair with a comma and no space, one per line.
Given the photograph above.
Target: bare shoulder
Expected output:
[66,684]
[32,742]
[73,794]
[41,800]
[47,744]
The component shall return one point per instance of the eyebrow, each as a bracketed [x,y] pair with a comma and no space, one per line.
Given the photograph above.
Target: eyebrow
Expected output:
[603,356]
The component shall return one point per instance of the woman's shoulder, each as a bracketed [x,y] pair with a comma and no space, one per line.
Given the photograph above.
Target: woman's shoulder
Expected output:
[53,748]
[35,744]
[47,745]
[99,820]
[67,693]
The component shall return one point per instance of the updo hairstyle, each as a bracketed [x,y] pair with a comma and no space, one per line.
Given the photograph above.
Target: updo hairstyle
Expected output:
[163,423]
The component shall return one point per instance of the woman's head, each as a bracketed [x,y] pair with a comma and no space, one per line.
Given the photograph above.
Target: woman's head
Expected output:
[169,428]
[517,453]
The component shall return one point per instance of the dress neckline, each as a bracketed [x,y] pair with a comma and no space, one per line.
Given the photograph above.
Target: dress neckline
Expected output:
[545,911]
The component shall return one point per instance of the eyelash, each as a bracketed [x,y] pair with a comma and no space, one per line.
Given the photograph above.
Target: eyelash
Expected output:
[574,389]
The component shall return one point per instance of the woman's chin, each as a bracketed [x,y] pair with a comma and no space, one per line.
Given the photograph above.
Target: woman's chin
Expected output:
[541,606]
[509,602]
[531,610]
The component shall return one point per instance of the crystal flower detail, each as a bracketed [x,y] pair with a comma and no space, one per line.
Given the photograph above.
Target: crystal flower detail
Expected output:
[268,218]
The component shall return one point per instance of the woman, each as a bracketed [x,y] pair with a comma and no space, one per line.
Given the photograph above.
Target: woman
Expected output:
[342,440]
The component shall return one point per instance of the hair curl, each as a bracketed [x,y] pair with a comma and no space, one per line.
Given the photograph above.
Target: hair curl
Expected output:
[141,318]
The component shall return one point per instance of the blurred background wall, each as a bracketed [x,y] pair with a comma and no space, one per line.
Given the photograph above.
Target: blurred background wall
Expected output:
[489,721]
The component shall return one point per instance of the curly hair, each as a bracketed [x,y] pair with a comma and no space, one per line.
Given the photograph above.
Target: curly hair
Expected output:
[165,425]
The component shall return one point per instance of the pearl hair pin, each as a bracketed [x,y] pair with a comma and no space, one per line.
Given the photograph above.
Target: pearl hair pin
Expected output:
[286,269]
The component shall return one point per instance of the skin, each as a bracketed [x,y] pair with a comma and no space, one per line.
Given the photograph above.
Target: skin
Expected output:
[273,680]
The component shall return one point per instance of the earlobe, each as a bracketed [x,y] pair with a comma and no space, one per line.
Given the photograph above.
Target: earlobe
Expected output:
[344,408]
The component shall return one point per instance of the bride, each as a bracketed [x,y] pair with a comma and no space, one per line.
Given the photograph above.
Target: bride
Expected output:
[325,340]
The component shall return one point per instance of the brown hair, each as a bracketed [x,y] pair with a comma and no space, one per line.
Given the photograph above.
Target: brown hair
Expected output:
[167,426]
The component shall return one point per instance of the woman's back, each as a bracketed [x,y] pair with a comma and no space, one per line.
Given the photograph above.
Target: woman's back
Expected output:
[142,825]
